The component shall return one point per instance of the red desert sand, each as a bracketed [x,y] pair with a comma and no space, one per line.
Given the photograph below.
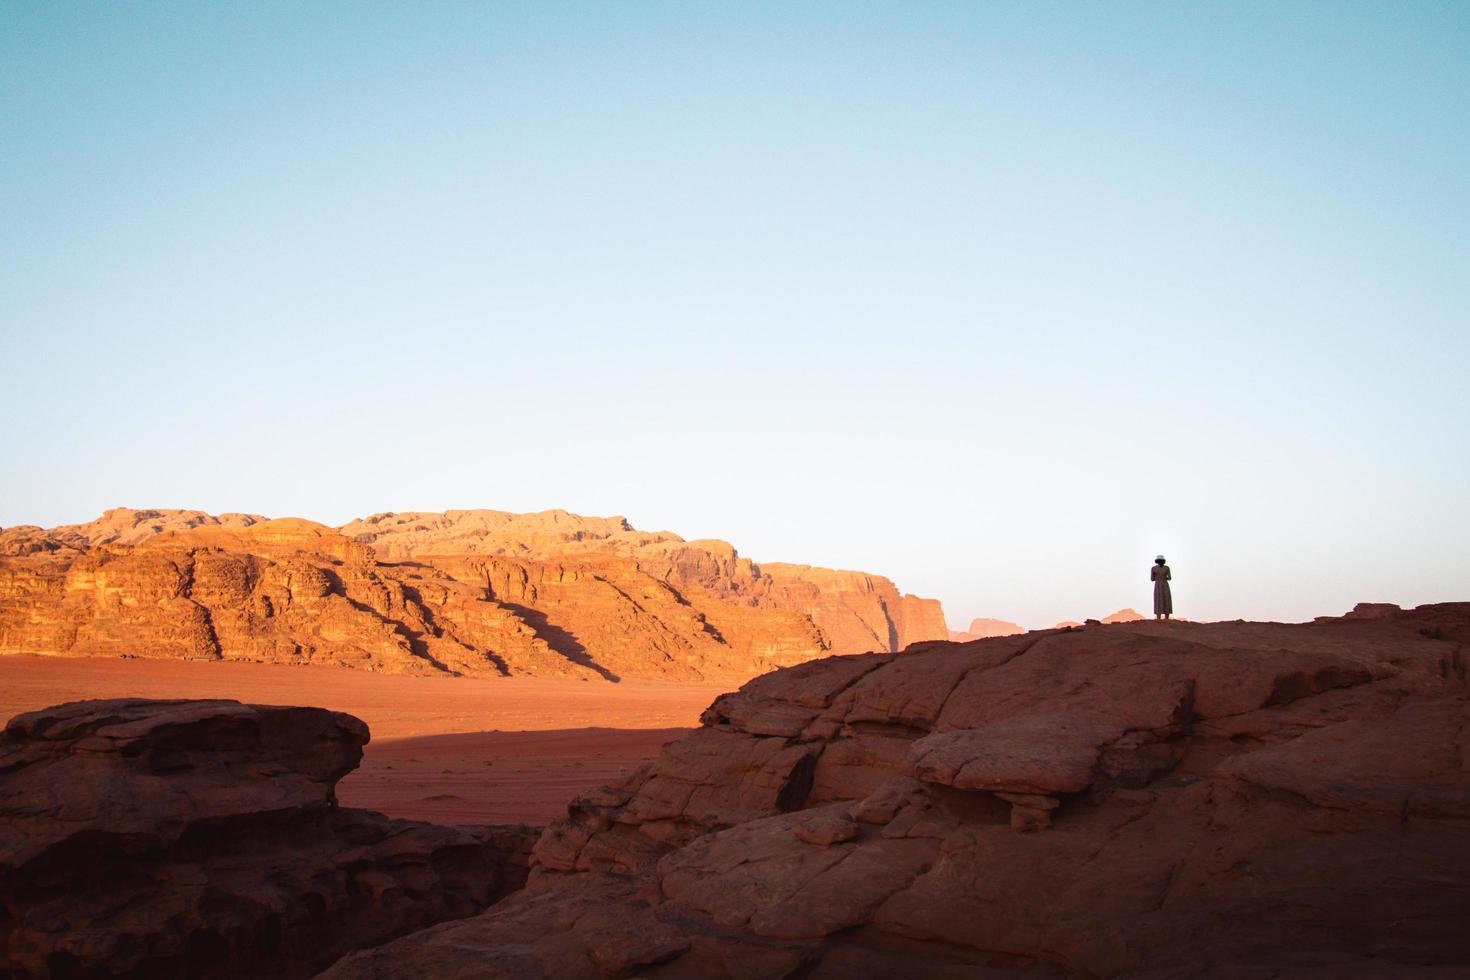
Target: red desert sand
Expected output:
[453,750]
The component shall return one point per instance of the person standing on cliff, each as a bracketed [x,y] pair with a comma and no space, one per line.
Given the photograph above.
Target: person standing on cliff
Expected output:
[1163,598]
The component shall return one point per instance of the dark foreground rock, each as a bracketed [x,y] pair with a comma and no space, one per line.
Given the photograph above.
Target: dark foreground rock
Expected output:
[203,839]
[1159,800]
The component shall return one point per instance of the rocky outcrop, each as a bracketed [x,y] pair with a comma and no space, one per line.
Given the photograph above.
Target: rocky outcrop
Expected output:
[203,839]
[851,611]
[121,525]
[1144,800]
[416,534]
[466,592]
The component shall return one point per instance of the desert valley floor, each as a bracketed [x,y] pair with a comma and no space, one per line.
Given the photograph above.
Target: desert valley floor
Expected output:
[456,750]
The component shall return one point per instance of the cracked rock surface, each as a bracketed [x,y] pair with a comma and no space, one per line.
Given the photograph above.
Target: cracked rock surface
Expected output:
[147,838]
[1157,800]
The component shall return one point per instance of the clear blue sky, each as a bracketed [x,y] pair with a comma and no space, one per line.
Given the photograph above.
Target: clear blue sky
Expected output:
[995,299]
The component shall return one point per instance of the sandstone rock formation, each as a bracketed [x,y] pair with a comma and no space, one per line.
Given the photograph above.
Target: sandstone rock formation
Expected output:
[203,839]
[121,525]
[1157,800]
[984,629]
[415,534]
[853,611]
[469,592]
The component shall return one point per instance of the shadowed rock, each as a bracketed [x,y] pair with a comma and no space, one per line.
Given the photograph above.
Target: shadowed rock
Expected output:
[203,839]
[1157,800]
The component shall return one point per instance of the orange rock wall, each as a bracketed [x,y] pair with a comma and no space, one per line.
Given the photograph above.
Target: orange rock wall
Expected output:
[551,594]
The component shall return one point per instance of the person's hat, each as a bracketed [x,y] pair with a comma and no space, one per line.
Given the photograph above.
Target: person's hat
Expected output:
[1158,558]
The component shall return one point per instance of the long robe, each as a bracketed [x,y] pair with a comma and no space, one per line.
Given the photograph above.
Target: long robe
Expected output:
[1163,598]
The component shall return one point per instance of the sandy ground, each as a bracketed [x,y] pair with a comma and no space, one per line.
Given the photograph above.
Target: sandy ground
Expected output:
[495,777]
[447,749]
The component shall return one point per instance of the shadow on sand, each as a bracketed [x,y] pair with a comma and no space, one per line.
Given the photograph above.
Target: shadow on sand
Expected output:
[562,641]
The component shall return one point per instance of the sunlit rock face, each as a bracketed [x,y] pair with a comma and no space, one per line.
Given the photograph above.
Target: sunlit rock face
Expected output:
[1148,799]
[203,839]
[469,592]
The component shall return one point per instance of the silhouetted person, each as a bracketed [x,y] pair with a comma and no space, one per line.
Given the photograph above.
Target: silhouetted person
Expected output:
[1163,598]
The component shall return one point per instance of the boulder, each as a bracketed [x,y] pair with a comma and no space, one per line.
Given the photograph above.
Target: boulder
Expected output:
[203,839]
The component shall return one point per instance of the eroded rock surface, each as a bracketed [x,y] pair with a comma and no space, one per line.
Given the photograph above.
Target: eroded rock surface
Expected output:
[1159,800]
[464,592]
[203,839]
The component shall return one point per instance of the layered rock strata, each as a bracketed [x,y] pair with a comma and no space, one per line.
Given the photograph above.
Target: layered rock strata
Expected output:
[1156,800]
[468,592]
[852,612]
[203,839]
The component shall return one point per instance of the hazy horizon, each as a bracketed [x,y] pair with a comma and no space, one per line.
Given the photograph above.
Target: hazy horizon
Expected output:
[1140,605]
[996,301]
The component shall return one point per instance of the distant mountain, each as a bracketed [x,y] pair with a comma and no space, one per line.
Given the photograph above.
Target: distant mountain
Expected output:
[1123,616]
[982,629]
[472,591]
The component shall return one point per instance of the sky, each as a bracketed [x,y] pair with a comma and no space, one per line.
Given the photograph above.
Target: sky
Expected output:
[997,300]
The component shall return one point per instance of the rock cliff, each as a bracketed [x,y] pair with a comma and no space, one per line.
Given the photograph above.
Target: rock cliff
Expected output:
[1155,800]
[202,839]
[853,611]
[470,592]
